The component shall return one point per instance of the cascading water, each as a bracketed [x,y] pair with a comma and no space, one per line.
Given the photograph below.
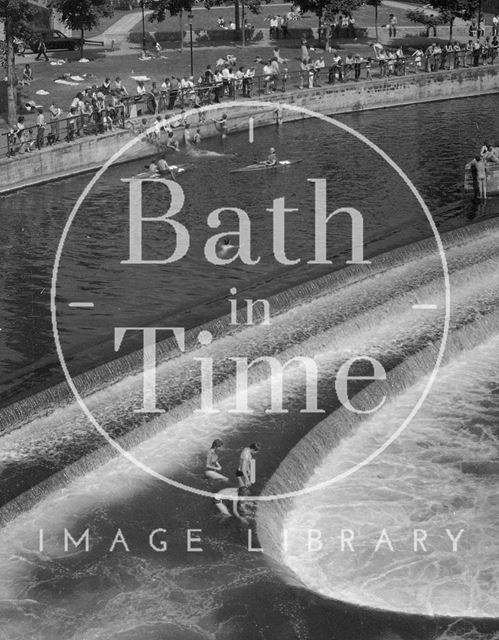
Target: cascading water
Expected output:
[340,316]
[359,311]
[440,474]
[337,303]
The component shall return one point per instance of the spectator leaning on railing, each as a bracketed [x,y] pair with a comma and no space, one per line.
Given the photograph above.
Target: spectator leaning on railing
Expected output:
[97,110]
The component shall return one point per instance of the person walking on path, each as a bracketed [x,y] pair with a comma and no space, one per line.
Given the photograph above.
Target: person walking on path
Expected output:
[42,50]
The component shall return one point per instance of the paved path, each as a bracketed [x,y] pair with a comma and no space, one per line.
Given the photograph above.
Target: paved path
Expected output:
[122,27]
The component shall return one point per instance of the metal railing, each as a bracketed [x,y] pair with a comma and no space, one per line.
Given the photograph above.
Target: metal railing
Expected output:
[108,118]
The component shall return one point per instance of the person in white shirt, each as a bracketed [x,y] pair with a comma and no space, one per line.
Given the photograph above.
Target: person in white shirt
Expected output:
[249,74]
[418,59]
[118,87]
[238,79]
[319,64]
[495,25]
[273,27]
[140,91]
[267,77]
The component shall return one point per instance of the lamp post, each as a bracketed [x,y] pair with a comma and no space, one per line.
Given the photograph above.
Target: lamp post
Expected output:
[243,29]
[190,16]
[143,27]
[478,31]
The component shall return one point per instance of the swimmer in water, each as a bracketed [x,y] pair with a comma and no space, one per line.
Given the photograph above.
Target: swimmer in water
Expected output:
[213,466]
[221,125]
[171,143]
[196,138]
[240,508]
[153,168]
[225,248]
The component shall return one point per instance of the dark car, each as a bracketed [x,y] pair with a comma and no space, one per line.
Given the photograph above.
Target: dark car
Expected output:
[53,40]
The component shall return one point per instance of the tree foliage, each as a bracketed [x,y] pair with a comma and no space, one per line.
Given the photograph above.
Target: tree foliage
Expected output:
[16,16]
[82,15]
[451,9]
[448,11]
[253,5]
[426,19]
[162,8]
[322,8]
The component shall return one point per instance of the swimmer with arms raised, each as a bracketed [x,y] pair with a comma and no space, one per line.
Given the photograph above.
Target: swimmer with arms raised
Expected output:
[213,466]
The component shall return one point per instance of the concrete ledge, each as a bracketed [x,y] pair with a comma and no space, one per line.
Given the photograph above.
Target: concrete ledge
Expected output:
[90,153]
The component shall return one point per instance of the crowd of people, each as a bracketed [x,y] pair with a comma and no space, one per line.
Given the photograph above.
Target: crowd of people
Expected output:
[94,110]
[100,108]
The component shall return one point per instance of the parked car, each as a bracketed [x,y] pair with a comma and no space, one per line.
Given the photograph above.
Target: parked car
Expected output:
[54,40]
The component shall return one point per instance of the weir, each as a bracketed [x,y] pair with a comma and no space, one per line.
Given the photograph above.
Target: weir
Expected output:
[366,308]
[388,493]
[339,308]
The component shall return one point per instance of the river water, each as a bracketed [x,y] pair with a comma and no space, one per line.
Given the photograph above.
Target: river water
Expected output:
[228,591]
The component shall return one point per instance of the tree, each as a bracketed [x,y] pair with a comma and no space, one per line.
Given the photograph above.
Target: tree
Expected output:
[449,10]
[252,5]
[16,15]
[82,15]
[161,8]
[325,9]
[375,4]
